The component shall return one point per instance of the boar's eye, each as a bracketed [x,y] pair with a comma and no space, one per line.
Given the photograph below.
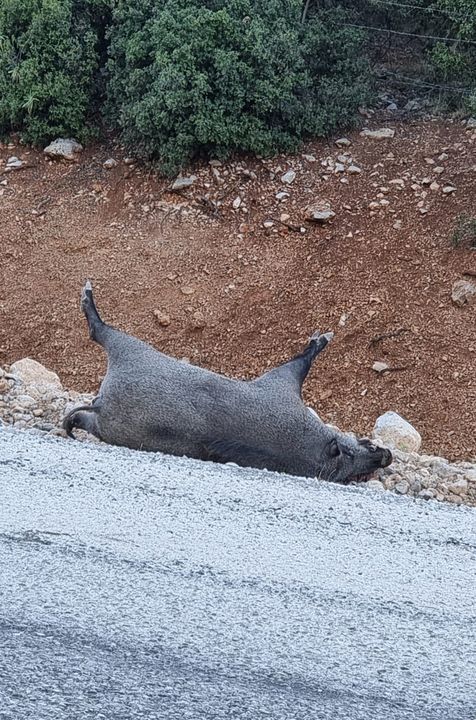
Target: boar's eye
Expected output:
[334,450]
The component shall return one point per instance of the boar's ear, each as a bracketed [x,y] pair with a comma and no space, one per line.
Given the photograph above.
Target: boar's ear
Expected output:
[224,451]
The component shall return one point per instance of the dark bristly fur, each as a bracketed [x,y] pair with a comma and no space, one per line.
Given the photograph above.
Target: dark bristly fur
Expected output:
[151,401]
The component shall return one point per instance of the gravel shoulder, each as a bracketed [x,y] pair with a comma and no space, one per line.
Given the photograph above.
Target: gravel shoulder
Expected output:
[138,585]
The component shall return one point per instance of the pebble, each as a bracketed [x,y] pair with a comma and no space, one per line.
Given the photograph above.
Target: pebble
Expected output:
[381,134]
[110,163]
[380,367]
[288,177]
[343,142]
[463,292]
[319,212]
[354,170]
[181,183]
[162,318]
[448,189]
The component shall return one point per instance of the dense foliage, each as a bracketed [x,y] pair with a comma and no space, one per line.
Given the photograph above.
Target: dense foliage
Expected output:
[179,78]
[189,76]
[49,58]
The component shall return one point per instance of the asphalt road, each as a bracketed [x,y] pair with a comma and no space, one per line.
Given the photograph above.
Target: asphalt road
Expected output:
[135,585]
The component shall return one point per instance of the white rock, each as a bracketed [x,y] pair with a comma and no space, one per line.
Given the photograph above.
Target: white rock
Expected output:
[288,177]
[339,167]
[31,372]
[343,142]
[375,485]
[319,212]
[110,163]
[439,170]
[64,148]
[380,367]
[459,487]
[471,123]
[181,183]
[237,202]
[354,170]
[14,163]
[381,134]
[393,430]
[448,189]
[402,487]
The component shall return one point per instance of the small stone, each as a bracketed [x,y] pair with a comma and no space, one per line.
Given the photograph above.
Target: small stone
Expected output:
[426,494]
[442,157]
[402,487]
[129,161]
[343,142]
[199,321]
[237,202]
[397,181]
[463,292]
[309,158]
[282,195]
[429,161]
[448,189]
[354,170]
[397,225]
[319,212]
[375,485]
[268,224]
[64,149]
[393,430]
[434,186]
[110,163]
[187,290]
[471,123]
[162,318]
[14,163]
[381,134]
[181,183]
[284,217]
[439,170]
[339,168]
[459,487]
[288,177]
[380,367]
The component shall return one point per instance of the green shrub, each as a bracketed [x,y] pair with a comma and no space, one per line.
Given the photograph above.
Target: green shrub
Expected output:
[49,55]
[192,77]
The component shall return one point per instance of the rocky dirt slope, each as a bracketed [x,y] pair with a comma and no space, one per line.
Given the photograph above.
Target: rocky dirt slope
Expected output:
[230,272]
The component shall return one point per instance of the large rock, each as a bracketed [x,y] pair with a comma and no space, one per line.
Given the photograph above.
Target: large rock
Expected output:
[381,134]
[319,212]
[463,292]
[394,431]
[64,149]
[30,372]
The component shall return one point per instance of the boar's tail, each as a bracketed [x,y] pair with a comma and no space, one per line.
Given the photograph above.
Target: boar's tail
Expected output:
[83,417]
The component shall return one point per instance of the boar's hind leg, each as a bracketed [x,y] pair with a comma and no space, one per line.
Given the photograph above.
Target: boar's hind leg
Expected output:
[295,371]
[98,330]
[84,418]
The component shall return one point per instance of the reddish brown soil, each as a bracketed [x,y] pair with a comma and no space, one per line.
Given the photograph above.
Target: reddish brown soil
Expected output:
[258,292]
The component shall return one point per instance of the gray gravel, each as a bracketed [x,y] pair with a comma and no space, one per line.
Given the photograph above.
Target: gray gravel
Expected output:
[142,586]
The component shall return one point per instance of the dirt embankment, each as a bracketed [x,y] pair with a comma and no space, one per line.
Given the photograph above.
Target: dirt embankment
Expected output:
[226,264]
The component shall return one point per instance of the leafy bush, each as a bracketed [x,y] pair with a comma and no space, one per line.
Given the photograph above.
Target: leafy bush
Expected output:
[49,56]
[217,76]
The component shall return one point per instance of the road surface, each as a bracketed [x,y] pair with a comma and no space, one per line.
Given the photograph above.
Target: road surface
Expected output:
[138,586]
